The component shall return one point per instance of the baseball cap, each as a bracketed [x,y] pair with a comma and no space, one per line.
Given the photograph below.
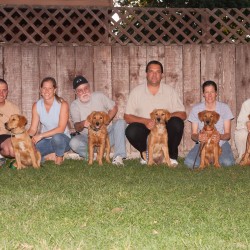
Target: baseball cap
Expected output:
[78,81]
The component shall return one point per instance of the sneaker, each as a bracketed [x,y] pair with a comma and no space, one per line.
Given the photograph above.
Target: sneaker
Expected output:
[2,161]
[173,162]
[117,160]
[143,162]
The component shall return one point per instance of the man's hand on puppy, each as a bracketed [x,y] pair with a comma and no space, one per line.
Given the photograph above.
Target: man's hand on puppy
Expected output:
[149,123]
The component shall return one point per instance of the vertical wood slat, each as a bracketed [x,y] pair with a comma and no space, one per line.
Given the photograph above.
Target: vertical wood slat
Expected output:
[191,87]
[242,75]
[47,62]
[211,65]
[173,68]
[102,70]
[12,73]
[84,63]
[120,78]
[227,88]
[30,79]
[65,72]
[1,62]
[137,65]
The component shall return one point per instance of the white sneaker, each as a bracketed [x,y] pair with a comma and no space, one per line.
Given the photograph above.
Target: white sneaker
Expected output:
[174,163]
[117,160]
[143,162]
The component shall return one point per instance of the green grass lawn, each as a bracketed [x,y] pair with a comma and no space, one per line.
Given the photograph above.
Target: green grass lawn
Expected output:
[75,206]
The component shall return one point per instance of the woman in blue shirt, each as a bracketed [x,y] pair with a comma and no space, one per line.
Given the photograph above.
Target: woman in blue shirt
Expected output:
[52,113]
[223,126]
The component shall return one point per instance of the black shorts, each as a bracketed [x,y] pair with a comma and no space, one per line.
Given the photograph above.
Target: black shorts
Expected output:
[3,138]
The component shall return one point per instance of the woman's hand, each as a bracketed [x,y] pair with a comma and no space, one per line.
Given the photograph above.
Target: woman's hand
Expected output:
[202,137]
[37,138]
[216,137]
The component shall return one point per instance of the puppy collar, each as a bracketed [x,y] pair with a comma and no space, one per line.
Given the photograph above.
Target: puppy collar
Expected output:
[95,129]
[13,135]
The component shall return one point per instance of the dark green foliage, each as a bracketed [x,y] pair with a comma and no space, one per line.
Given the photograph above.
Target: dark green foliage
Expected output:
[186,4]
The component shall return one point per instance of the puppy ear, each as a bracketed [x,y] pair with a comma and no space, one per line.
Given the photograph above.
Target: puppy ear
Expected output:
[90,117]
[152,114]
[22,121]
[216,117]
[106,118]
[249,117]
[167,114]
[201,115]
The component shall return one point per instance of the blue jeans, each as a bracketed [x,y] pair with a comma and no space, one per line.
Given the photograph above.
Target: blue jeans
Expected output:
[226,158]
[58,144]
[116,131]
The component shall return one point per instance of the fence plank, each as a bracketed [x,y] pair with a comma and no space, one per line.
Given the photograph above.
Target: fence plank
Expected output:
[47,62]
[137,65]
[65,72]
[30,79]
[211,64]
[120,77]
[102,70]
[1,62]
[12,65]
[173,68]
[227,87]
[242,75]
[84,63]
[191,87]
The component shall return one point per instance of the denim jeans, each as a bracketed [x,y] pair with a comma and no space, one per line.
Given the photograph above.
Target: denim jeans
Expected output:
[116,131]
[226,158]
[58,144]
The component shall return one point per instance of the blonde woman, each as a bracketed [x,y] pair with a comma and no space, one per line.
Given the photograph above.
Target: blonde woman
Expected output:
[52,113]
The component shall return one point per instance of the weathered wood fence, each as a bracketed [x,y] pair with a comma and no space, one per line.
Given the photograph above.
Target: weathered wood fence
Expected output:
[116,69]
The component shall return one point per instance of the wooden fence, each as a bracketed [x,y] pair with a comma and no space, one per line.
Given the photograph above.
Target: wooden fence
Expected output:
[117,69]
[194,45]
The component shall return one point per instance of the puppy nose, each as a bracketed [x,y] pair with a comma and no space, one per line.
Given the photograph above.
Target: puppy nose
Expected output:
[97,123]
[207,122]
[158,119]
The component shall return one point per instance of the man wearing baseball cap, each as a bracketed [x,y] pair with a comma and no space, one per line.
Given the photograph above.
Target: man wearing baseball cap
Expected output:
[86,103]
